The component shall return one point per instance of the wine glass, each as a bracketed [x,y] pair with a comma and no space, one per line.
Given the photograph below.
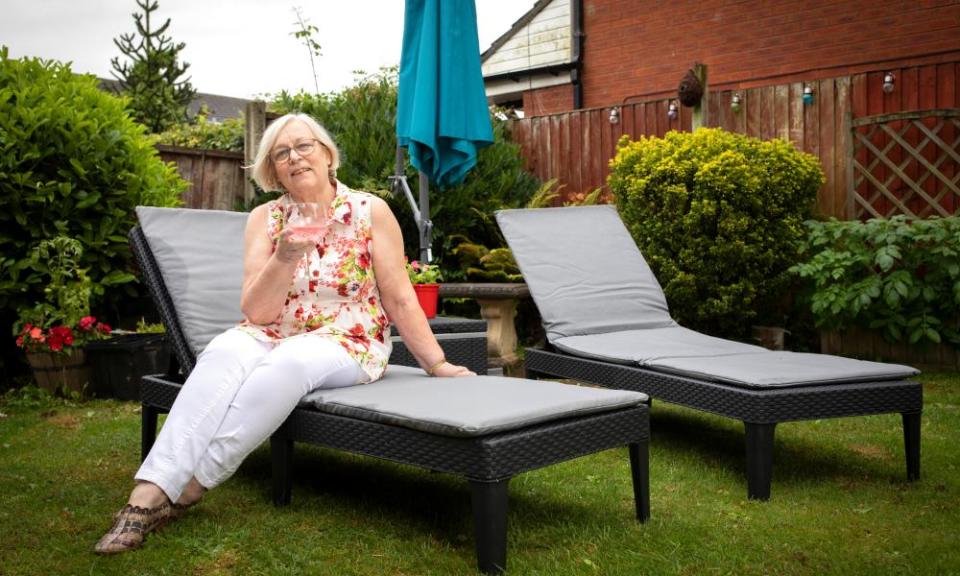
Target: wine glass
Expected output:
[308,221]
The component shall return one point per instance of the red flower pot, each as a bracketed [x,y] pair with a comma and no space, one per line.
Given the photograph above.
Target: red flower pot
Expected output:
[427,295]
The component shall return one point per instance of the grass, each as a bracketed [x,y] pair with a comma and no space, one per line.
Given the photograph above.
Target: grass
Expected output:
[840,504]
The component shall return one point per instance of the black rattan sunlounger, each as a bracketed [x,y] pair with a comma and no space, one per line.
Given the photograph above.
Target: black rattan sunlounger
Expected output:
[528,426]
[607,323]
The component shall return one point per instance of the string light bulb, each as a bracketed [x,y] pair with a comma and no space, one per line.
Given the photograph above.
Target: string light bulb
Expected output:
[673,111]
[889,80]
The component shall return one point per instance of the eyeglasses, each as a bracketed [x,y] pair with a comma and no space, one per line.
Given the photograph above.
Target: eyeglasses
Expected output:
[303,148]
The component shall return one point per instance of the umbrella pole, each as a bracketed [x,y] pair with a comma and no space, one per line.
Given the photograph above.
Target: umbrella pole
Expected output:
[425,224]
[420,215]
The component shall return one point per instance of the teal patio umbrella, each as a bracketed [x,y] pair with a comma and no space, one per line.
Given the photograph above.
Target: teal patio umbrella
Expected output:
[442,115]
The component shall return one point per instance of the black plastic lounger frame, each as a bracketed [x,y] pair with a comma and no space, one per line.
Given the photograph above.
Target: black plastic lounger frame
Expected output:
[487,462]
[759,408]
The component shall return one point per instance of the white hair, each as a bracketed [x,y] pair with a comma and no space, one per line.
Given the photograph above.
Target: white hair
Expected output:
[264,173]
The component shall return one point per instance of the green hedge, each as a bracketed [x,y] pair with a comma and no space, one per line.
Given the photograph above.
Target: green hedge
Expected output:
[72,163]
[719,217]
[898,276]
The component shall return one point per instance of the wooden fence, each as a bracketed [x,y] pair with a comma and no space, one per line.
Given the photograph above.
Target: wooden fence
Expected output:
[216,177]
[576,147]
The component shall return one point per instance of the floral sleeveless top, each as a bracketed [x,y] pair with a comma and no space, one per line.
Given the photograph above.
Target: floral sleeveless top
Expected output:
[334,292]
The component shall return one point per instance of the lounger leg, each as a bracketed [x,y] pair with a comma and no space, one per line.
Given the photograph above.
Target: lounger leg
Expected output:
[759,459]
[490,524]
[911,443]
[640,470]
[148,429]
[281,456]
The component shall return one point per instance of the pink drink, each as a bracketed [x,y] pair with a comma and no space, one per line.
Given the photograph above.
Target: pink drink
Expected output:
[310,232]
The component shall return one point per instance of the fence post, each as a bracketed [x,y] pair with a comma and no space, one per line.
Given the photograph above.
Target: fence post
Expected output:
[700,111]
[256,121]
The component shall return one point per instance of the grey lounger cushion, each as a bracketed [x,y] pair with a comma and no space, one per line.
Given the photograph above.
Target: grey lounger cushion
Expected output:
[584,271]
[200,254]
[468,406]
[687,353]
[599,299]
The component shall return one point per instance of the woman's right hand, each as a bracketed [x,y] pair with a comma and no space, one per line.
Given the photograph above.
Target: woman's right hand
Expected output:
[290,249]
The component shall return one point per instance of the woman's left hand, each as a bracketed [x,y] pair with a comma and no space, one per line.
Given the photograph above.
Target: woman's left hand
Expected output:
[448,370]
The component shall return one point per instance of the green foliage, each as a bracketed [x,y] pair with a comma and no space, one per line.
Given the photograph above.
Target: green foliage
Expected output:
[422,273]
[898,276]
[72,163]
[202,133]
[68,288]
[362,120]
[158,98]
[481,264]
[32,397]
[719,218]
[144,327]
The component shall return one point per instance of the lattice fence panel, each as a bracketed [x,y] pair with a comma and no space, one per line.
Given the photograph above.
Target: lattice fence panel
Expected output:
[906,163]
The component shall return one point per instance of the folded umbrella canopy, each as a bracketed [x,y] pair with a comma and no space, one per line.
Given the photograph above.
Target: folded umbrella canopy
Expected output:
[442,115]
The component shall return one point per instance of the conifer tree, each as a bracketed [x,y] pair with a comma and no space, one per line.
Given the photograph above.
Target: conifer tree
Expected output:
[151,77]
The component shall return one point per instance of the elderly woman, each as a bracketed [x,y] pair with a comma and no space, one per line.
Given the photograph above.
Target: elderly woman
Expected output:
[318,313]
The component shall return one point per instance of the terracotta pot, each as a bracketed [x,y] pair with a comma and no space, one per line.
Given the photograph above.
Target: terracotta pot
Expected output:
[427,295]
[56,372]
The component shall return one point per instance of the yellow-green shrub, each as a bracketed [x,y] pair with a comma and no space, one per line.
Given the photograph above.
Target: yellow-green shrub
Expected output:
[719,217]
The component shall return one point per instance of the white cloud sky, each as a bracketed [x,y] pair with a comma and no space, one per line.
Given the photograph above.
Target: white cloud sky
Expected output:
[236,48]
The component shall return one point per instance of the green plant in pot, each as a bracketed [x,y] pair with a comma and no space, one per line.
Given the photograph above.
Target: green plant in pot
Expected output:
[425,278]
[54,332]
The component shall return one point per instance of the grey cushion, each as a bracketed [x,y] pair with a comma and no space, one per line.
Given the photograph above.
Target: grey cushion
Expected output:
[468,406]
[584,270]
[200,255]
[643,346]
[685,352]
[768,369]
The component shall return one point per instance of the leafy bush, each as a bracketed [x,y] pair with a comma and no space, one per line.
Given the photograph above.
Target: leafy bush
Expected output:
[202,133]
[362,120]
[719,218]
[72,163]
[898,276]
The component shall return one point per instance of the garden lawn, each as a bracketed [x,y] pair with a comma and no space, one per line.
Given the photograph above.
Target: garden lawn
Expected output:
[840,503]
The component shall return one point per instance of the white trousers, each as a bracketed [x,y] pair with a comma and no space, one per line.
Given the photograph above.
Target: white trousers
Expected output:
[238,394]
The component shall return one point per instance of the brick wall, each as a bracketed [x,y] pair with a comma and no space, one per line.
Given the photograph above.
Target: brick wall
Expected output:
[548,100]
[642,49]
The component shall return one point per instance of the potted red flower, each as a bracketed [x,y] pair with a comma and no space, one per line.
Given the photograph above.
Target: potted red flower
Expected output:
[56,353]
[54,332]
[424,278]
